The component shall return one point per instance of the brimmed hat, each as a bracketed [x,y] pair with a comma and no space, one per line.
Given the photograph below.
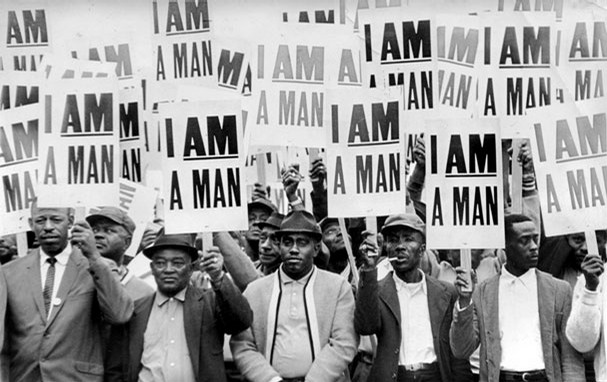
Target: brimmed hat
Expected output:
[184,242]
[404,220]
[300,221]
[273,221]
[114,214]
[328,220]
[262,203]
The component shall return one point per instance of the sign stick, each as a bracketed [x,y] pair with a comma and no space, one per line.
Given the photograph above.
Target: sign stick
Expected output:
[371,223]
[207,241]
[21,244]
[344,232]
[465,259]
[591,242]
[517,179]
[261,168]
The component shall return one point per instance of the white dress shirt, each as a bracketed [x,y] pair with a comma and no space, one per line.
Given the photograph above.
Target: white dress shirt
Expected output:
[60,266]
[417,344]
[519,322]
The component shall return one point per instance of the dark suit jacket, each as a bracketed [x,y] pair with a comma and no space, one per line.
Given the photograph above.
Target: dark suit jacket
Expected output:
[67,346]
[207,316]
[378,312]
[480,324]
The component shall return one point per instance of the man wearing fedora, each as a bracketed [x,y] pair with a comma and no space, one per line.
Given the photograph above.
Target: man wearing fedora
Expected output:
[113,229]
[177,333]
[303,327]
[408,311]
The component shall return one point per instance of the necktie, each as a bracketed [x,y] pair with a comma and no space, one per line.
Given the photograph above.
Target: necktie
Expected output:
[47,293]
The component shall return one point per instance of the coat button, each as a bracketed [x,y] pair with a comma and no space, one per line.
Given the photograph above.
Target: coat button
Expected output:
[393,375]
[396,351]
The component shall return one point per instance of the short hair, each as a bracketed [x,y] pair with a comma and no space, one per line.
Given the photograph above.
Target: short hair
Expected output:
[511,220]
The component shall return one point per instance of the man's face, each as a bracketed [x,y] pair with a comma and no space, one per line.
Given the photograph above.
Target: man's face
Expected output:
[172,269]
[333,238]
[297,251]
[256,216]
[111,239]
[8,245]
[269,246]
[579,250]
[51,227]
[521,247]
[406,245]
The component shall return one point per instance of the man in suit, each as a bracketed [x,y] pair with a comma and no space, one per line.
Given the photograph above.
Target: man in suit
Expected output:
[177,333]
[410,312]
[303,327]
[519,316]
[58,297]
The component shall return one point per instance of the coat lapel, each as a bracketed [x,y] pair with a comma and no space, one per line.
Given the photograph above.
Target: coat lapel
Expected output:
[137,327]
[33,270]
[387,293]
[70,275]
[192,322]
[545,299]
[491,321]
[438,302]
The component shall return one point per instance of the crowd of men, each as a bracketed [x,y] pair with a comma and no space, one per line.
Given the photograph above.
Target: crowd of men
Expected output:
[283,295]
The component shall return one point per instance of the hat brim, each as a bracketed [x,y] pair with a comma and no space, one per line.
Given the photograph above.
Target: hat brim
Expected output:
[268,206]
[392,227]
[264,224]
[283,232]
[91,219]
[149,251]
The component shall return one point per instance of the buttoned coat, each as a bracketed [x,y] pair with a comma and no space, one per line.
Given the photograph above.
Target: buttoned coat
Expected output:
[67,346]
[378,312]
[334,304]
[479,324]
[207,316]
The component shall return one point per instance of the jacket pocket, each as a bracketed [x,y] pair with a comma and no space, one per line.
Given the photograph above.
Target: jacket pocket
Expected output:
[88,367]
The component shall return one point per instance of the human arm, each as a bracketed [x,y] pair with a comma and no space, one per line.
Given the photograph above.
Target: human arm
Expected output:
[367,319]
[464,332]
[115,304]
[290,181]
[584,323]
[572,362]
[236,261]
[415,185]
[335,356]
[318,175]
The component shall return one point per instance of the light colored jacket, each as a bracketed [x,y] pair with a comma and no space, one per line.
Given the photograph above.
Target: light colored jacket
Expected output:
[585,326]
[334,305]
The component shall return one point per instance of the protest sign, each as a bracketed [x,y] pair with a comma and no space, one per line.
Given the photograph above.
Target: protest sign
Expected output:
[131,133]
[464,184]
[517,72]
[138,202]
[79,145]
[399,50]
[120,54]
[555,7]
[19,89]
[570,159]
[295,65]
[24,37]
[458,53]
[57,68]
[365,153]
[19,129]
[203,166]
[182,42]
[583,55]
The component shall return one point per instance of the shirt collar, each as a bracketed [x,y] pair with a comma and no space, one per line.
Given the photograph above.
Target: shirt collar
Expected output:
[414,287]
[161,298]
[528,278]
[287,280]
[62,258]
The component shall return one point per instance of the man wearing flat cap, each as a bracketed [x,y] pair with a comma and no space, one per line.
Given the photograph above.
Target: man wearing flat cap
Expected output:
[177,333]
[113,230]
[408,311]
[303,327]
